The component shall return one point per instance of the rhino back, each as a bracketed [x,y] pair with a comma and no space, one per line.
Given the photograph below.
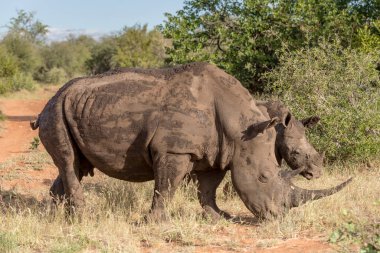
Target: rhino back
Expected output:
[119,120]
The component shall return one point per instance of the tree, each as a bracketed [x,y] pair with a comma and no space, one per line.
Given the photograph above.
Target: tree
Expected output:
[138,47]
[69,55]
[26,26]
[246,37]
[8,63]
[25,52]
[132,47]
[101,56]
[24,37]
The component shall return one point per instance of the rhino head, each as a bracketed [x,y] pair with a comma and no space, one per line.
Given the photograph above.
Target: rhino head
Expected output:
[291,142]
[293,146]
[266,190]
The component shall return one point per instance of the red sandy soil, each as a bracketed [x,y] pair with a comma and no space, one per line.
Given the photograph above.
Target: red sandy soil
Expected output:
[15,138]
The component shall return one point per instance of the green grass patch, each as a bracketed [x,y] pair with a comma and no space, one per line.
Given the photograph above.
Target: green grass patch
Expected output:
[8,242]
[2,116]
[71,245]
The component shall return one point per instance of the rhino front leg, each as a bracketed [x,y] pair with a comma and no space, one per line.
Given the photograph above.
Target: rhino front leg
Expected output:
[169,171]
[208,182]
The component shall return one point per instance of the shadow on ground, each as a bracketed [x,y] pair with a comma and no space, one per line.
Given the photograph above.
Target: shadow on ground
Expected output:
[20,118]
[10,200]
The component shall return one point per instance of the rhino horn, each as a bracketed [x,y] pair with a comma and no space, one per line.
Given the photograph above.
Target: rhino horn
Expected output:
[299,196]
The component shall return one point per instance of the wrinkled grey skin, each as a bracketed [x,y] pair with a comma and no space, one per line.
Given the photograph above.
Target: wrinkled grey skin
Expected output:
[139,125]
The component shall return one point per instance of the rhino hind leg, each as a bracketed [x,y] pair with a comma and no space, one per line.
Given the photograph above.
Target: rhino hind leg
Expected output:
[64,153]
[57,191]
[208,182]
[72,191]
[169,171]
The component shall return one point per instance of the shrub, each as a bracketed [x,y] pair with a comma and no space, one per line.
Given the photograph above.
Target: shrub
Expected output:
[24,51]
[369,37]
[17,82]
[22,81]
[53,76]
[101,57]
[340,85]
[56,75]
[8,63]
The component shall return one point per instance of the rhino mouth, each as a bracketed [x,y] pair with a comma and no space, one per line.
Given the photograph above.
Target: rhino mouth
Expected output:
[312,171]
[307,174]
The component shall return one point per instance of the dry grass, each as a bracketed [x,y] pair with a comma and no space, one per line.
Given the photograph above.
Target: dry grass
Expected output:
[35,160]
[115,209]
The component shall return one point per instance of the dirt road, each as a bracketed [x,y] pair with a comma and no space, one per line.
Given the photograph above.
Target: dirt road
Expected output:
[16,135]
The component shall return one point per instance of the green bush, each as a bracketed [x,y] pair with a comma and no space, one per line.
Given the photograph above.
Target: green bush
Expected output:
[8,63]
[69,55]
[22,81]
[52,76]
[340,85]
[369,37]
[244,36]
[17,82]
[56,75]
[25,52]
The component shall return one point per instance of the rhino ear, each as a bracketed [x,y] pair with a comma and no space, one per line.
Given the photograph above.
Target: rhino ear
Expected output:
[286,120]
[255,129]
[310,122]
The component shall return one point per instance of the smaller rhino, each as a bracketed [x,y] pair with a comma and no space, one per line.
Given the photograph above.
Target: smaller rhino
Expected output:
[291,142]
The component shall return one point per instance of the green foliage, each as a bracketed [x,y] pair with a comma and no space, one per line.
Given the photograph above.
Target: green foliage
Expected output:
[26,26]
[243,37]
[7,242]
[22,41]
[132,47]
[355,229]
[369,37]
[340,85]
[366,235]
[138,47]
[100,60]
[17,82]
[8,63]
[24,52]
[53,76]
[69,55]
[22,81]
[35,143]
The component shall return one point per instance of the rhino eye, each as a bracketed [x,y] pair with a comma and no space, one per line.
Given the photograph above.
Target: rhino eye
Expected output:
[295,152]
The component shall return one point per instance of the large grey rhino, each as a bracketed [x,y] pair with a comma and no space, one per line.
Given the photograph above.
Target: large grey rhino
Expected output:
[139,125]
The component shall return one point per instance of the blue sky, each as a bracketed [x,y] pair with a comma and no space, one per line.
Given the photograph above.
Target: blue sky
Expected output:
[93,17]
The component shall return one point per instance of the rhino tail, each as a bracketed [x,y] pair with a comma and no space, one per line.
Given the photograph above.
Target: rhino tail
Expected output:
[34,124]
